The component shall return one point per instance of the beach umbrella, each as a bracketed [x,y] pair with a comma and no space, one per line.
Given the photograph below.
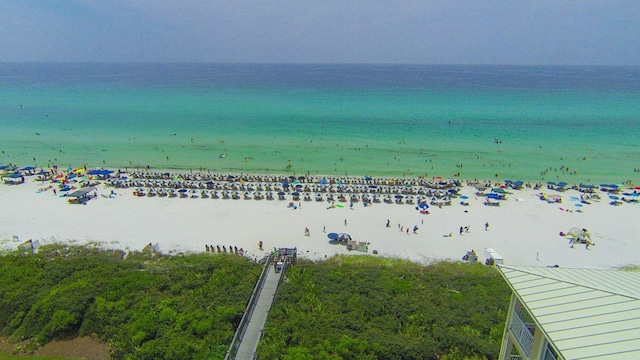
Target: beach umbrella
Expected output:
[423,206]
[333,236]
[613,197]
[182,190]
[464,197]
[498,190]
[550,183]
[398,196]
[295,193]
[281,193]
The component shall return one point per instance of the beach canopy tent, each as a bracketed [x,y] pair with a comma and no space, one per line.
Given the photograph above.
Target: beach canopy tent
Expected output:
[43,176]
[100,173]
[609,187]
[587,187]
[8,168]
[13,179]
[80,195]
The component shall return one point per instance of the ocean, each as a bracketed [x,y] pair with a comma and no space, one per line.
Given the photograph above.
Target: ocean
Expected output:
[530,123]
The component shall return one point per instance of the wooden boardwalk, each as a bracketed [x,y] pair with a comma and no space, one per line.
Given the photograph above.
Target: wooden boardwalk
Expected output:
[253,332]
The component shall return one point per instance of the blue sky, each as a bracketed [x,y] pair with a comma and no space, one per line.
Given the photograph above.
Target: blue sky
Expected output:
[541,32]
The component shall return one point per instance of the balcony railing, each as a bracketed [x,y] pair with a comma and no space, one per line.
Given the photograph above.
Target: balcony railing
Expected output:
[522,333]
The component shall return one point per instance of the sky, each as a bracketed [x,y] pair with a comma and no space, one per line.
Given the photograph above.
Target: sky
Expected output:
[516,32]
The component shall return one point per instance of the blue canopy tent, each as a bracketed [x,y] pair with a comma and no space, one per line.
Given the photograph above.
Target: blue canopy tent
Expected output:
[101,173]
[13,179]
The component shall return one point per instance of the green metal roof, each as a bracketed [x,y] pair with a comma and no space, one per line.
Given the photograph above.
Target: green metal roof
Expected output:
[585,313]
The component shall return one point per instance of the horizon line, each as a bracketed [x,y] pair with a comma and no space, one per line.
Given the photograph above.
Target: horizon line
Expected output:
[308,63]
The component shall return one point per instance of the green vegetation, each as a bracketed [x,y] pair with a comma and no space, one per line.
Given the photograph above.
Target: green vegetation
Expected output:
[369,308]
[188,306]
[146,307]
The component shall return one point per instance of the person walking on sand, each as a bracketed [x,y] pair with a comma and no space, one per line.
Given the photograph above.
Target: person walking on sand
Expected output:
[306,232]
[486,226]
[345,222]
[324,229]
[461,230]
[260,245]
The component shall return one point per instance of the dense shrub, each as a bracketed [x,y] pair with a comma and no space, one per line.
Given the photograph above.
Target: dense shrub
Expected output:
[368,308]
[188,307]
[177,307]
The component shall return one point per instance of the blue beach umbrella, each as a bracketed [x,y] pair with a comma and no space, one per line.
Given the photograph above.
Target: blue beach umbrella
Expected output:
[613,197]
[333,236]
[464,197]
[423,206]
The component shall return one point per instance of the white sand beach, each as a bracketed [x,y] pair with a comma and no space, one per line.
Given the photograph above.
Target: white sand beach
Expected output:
[524,230]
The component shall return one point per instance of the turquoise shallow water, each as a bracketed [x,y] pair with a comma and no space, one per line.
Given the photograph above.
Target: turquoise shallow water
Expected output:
[327,119]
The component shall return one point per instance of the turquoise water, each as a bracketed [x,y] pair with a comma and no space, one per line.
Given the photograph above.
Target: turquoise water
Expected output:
[327,119]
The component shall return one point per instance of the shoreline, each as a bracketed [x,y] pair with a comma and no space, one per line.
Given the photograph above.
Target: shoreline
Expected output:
[524,230]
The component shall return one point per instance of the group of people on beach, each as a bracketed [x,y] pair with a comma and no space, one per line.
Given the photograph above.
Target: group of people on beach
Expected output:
[223,250]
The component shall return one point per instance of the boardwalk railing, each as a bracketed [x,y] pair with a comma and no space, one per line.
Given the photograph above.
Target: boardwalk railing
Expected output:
[242,327]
